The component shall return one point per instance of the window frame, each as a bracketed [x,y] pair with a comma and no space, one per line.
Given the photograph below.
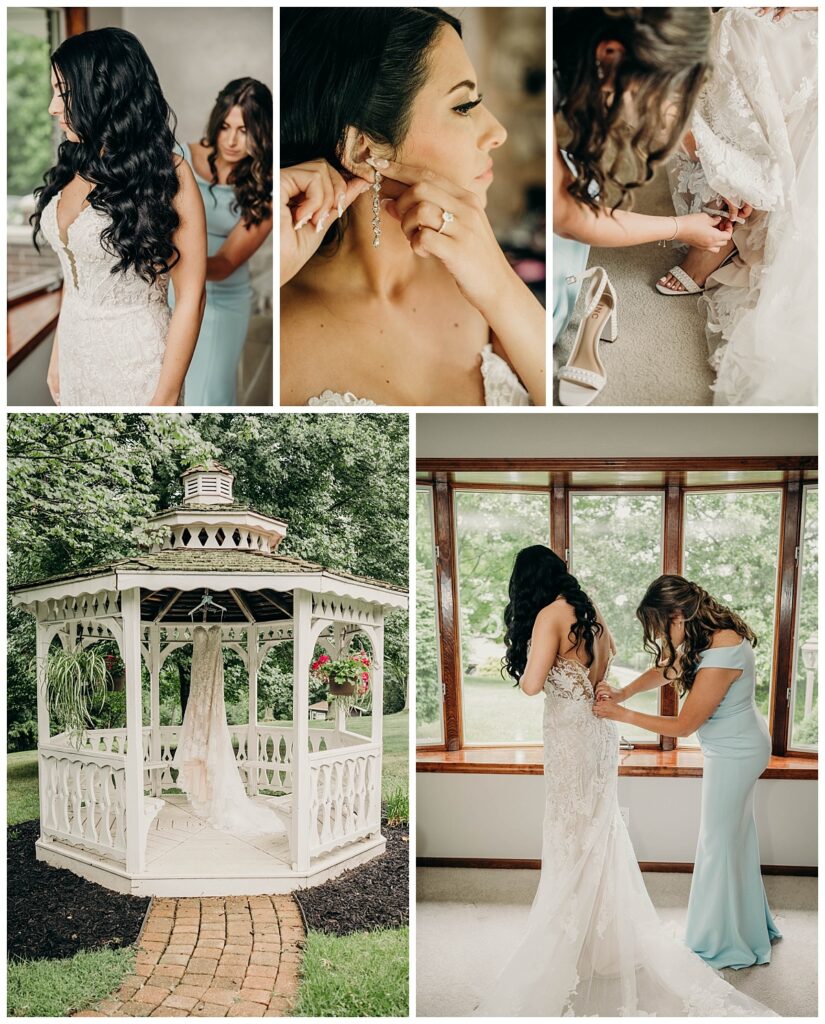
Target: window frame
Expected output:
[799,472]
[806,485]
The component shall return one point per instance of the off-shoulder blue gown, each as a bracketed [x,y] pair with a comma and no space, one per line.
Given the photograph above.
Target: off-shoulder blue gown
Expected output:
[729,923]
[212,375]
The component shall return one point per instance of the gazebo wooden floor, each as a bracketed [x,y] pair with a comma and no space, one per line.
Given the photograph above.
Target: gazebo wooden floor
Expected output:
[186,856]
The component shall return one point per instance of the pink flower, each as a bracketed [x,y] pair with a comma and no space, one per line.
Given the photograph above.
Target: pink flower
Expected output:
[365,676]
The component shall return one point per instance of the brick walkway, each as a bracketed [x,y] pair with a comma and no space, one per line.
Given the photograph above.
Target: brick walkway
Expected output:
[233,956]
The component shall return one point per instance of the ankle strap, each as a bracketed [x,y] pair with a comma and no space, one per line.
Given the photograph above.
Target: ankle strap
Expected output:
[599,284]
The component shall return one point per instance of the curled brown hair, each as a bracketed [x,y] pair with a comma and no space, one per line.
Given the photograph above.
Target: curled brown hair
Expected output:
[252,176]
[661,72]
[671,595]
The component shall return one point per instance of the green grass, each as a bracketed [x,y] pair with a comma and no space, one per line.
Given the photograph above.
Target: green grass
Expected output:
[23,800]
[359,975]
[56,988]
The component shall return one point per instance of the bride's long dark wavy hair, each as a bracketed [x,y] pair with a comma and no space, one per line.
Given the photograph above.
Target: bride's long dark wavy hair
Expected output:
[662,71]
[539,576]
[252,177]
[114,104]
[672,595]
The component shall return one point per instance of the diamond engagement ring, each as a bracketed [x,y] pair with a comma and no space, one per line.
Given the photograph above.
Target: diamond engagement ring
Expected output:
[446,218]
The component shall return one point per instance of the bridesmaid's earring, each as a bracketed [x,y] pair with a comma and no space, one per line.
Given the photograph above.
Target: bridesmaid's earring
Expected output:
[376,210]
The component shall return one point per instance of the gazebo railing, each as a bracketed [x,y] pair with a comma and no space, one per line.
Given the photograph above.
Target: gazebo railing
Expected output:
[83,786]
[83,798]
[345,795]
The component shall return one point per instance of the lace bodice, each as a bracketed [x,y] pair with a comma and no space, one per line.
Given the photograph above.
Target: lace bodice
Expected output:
[112,328]
[501,386]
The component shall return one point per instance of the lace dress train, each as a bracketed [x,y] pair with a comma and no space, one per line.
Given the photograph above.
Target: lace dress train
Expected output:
[593,944]
[205,758]
[755,129]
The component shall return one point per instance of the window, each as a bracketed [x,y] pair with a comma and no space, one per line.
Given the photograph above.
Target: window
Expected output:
[620,525]
[731,548]
[615,553]
[804,693]
[428,715]
[33,32]
[490,528]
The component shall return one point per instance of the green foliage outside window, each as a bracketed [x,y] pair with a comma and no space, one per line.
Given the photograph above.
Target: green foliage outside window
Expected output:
[29,126]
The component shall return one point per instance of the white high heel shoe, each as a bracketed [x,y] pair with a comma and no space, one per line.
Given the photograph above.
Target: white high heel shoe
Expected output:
[583,378]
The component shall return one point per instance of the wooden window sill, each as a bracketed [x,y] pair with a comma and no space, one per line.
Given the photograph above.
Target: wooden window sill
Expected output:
[632,763]
[28,322]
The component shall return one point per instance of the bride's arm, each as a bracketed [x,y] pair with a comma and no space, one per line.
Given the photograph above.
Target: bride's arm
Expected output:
[53,373]
[544,649]
[188,278]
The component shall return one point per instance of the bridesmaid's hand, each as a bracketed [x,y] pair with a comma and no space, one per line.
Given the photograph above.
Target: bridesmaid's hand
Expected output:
[311,194]
[604,691]
[465,244]
[608,708]
[703,231]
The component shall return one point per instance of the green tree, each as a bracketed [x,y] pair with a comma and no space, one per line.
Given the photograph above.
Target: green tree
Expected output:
[29,126]
[81,488]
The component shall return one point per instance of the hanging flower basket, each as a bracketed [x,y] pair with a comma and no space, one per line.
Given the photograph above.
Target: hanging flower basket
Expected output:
[345,677]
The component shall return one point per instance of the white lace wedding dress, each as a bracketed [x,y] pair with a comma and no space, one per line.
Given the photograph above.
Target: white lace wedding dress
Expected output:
[755,126]
[112,329]
[593,944]
[208,773]
[501,386]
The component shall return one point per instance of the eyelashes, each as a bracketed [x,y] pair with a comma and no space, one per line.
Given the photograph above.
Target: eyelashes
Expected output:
[465,108]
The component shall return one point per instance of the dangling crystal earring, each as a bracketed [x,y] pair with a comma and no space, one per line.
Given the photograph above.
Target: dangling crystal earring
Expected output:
[376,210]
[599,71]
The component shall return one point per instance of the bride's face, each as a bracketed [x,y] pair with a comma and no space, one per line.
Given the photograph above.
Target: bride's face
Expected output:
[57,108]
[451,132]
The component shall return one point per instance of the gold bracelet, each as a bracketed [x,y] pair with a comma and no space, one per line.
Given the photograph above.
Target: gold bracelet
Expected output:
[663,241]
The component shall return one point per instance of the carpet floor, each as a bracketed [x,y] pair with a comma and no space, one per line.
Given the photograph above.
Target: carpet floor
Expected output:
[661,355]
[468,919]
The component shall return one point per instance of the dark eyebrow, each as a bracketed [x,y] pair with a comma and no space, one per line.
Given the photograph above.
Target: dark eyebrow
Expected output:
[470,85]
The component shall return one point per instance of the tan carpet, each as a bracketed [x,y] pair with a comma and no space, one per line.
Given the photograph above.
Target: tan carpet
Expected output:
[468,919]
[660,357]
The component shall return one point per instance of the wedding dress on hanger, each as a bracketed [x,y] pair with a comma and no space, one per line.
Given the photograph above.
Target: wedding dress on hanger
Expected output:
[593,944]
[755,127]
[205,759]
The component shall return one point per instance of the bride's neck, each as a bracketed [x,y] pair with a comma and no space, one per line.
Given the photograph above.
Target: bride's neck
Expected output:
[383,271]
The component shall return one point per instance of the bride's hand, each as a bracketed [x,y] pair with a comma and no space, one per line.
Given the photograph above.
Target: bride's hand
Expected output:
[311,193]
[703,231]
[465,243]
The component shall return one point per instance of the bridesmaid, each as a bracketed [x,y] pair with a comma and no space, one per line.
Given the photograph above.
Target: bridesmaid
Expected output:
[729,923]
[605,60]
[233,169]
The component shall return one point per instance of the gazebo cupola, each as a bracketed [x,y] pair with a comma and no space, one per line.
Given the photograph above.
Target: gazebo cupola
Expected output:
[210,518]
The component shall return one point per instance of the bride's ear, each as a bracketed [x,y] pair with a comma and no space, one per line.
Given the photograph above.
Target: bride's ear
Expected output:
[355,150]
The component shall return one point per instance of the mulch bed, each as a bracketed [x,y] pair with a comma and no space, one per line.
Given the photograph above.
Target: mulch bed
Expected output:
[374,895]
[54,914]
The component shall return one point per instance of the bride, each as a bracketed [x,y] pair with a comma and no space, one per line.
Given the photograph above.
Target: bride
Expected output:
[394,288]
[593,944]
[124,215]
[753,149]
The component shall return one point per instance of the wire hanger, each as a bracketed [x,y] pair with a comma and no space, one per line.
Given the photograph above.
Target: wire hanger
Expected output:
[207,602]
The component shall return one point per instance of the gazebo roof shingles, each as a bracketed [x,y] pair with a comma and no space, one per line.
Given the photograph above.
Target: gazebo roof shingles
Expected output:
[193,560]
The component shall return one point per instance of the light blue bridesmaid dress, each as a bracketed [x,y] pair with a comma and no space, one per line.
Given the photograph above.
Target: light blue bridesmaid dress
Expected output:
[213,371]
[729,923]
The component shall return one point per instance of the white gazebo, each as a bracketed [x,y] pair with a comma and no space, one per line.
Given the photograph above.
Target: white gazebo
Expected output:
[215,562]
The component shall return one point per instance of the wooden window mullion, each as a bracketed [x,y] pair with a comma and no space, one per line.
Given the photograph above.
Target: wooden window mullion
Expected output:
[671,563]
[446,575]
[789,551]
[559,515]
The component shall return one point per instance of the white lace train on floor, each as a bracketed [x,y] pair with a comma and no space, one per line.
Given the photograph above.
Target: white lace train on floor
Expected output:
[594,945]
[205,758]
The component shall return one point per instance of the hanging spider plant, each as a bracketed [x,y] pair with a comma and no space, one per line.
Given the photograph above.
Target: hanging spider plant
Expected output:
[77,688]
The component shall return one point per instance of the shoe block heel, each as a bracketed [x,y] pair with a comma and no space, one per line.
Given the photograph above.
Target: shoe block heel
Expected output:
[610,331]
